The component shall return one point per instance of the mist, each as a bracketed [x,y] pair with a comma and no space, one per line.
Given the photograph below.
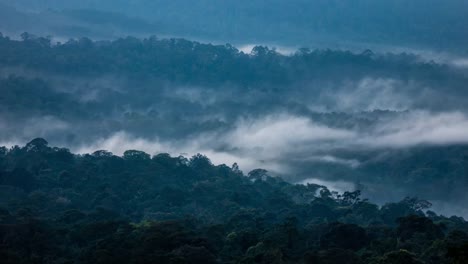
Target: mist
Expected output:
[302,108]
[177,131]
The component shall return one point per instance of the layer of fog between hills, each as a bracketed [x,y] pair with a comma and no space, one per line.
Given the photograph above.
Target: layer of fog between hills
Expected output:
[288,133]
[283,141]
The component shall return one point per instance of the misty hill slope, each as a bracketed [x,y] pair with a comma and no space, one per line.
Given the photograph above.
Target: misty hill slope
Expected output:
[320,115]
[99,208]
[432,24]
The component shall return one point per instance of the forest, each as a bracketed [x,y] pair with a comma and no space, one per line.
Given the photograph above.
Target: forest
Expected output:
[227,131]
[60,207]
[337,156]
[366,118]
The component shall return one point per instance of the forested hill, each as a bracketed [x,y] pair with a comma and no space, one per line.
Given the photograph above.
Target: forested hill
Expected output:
[432,24]
[193,62]
[326,114]
[58,207]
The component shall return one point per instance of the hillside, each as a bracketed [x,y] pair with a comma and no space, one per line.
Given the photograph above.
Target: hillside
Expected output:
[58,207]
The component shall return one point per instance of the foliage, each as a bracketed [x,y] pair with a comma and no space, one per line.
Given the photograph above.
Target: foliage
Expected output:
[58,207]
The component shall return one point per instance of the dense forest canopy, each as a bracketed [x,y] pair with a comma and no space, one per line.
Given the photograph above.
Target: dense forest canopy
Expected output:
[58,207]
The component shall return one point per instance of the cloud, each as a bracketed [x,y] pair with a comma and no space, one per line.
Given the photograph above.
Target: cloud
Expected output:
[293,145]
[353,163]
[337,186]
[275,142]
[121,141]
[420,127]
[368,94]
[461,62]
[43,126]
[278,133]
[9,144]
[450,208]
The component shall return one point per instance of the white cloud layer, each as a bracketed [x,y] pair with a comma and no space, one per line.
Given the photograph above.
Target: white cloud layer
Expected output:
[420,128]
[272,141]
[368,94]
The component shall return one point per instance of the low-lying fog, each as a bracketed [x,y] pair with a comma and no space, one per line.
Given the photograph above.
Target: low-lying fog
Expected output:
[350,126]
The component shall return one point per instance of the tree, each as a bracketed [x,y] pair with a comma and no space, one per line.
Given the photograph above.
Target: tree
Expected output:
[331,256]
[193,255]
[458,254]
[136,155]
[258,174]
[412,225]
[200,161]
[345,236]
[350,198]
[19,177]
[399,257]
[102,154]
[25,36]
[416,204]
[235,168]
[37,145]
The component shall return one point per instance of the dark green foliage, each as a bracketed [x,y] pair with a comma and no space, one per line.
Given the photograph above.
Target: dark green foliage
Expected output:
[345,236]
[185,61]
[102,208]
[399,257]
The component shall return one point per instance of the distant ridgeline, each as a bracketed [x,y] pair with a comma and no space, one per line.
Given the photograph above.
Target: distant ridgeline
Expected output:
[392,23]
[187,61]
[57,207]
